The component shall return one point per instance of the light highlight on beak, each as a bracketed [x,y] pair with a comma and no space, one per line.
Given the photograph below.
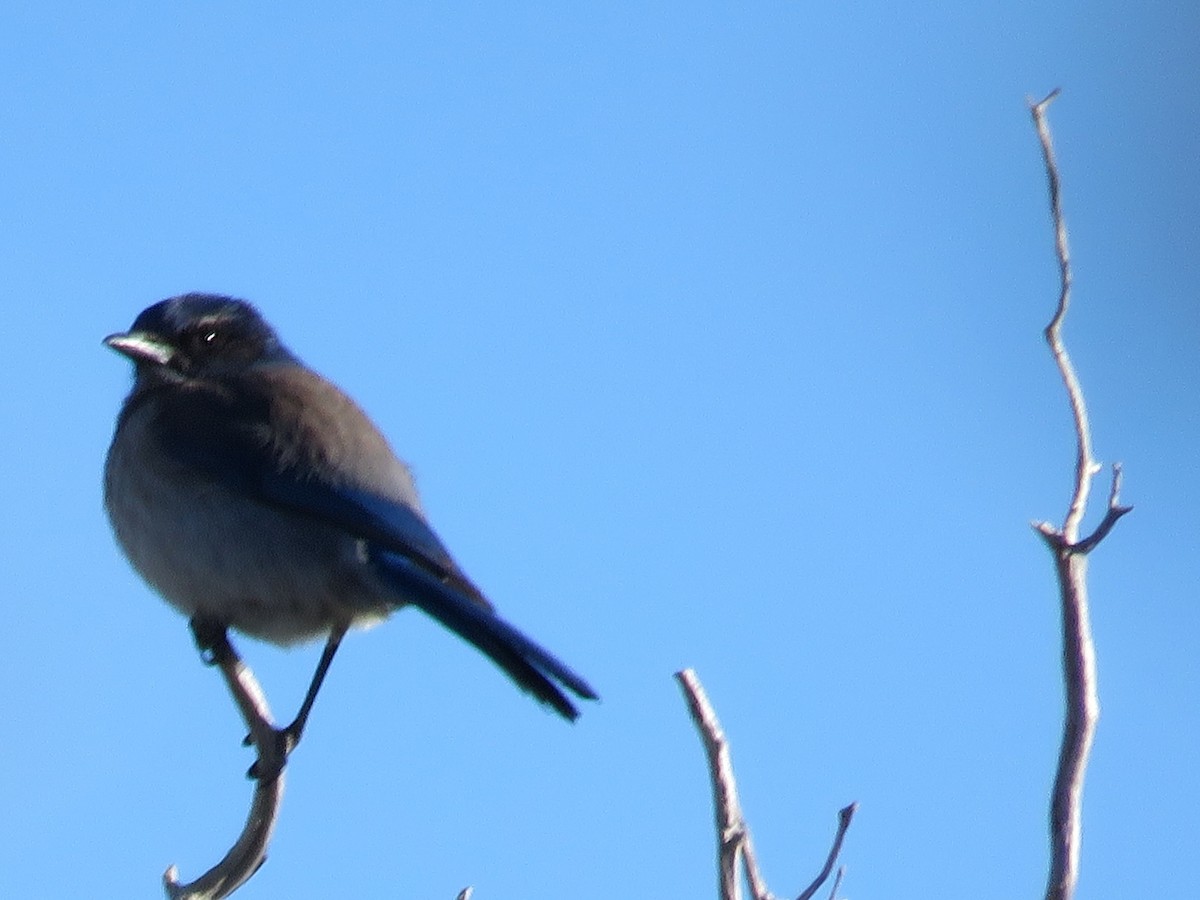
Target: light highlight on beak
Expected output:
[140,347]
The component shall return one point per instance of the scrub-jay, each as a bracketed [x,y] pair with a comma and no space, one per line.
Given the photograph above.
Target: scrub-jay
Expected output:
[252,493]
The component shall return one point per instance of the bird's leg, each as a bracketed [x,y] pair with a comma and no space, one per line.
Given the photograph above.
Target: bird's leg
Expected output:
[291,734]
[212,639]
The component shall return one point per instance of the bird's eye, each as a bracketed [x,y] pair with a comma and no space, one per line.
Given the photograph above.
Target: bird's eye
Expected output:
[205,342]
[223,344]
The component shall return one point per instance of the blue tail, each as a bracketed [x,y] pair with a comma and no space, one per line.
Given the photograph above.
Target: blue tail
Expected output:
[531,666]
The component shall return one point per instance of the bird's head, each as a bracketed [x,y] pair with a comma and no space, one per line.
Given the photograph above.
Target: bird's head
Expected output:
[197,336]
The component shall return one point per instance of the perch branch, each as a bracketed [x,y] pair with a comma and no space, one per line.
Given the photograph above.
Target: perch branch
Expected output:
[249,852]
[1070,560]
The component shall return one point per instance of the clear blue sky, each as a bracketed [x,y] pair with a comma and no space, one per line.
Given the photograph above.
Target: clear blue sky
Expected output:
[713,334]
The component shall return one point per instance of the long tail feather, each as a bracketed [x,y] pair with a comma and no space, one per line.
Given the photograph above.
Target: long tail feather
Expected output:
[530,665]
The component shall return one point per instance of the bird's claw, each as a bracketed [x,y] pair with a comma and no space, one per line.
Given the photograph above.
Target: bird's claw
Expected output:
[274,756]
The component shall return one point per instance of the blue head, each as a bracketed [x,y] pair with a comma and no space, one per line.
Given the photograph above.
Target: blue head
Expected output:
[197,336]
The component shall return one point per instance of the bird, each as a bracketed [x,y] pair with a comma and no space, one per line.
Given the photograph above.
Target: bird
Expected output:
[253,494]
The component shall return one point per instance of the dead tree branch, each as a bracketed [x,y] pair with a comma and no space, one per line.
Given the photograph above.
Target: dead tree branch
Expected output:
[735,850]
[249,851]
[845,814]
[1070,561]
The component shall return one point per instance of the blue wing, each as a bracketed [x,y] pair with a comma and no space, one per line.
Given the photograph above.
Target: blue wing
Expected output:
[408,555]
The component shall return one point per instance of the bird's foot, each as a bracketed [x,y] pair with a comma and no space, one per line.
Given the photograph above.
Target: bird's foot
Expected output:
[274,755]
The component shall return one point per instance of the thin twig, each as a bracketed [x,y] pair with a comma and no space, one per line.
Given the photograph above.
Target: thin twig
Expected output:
[837,882]
[1070,560]
[844,817]
[249,851]
[1111,516]
[1085,467]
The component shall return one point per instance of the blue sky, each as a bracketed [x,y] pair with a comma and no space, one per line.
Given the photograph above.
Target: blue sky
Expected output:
[713,335]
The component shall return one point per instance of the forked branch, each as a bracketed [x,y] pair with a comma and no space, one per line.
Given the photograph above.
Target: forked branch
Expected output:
[735,851]
[1070,561]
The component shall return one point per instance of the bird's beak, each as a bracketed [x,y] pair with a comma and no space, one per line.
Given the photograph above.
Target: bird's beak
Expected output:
[141,347]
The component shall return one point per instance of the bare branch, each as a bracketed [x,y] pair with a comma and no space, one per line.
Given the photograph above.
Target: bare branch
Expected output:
[1054,536]
[734,847]
[844,817]
[1111,516]
[249,851]
[1079,726]
[1070,560]
[733,837]
[1085,466]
